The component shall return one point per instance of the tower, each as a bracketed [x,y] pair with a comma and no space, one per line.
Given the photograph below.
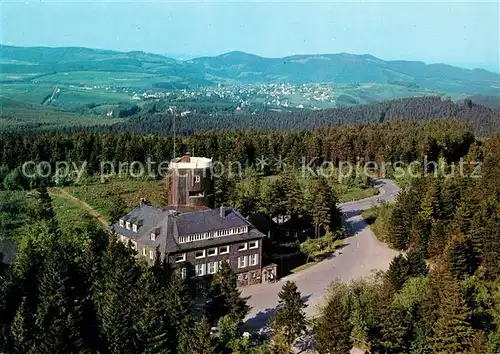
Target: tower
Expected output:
[190,182]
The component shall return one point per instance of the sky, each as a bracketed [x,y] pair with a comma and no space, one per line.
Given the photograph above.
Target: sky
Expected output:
[459,33]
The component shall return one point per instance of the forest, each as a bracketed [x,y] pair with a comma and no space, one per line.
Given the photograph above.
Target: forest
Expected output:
[152,119]
[443,294]
[81,291]
[76,290]
[389,141]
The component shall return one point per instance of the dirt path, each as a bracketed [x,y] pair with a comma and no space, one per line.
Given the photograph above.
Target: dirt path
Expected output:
[87,207]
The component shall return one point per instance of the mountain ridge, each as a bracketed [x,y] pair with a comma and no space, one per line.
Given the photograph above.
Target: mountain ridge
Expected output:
[238,67]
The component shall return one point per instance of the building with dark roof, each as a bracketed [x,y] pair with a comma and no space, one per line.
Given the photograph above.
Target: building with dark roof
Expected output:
[190,236]
[197,239]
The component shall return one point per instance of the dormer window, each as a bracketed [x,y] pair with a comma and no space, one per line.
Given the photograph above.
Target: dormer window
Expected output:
[122,223]
[134,227]
[153,236]
[128,225]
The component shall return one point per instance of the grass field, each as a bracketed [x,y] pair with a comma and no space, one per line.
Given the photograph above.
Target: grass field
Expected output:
[68,212]
[74,97]
[100,195]
[26,92]
[347,194]
[111,79]
[14,114]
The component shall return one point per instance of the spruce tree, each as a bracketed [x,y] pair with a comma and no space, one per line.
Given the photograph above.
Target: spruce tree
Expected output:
[416,264]
[393,331]
[20,339]
[151,320]
[332,330]
[178,304]
[201,340]
[452,332]
[397,274]
[461,257]
[290,317]
[224,297]
[58,318]
[115,297]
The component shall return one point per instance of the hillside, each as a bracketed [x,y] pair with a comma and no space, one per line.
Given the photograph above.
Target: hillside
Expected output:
[484,120]
[344,67]
[156,71]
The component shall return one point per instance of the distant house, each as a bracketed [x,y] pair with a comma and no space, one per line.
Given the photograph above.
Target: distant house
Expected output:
[265,224]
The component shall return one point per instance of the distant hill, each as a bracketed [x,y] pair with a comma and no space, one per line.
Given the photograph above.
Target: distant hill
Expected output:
[487,101]
[344,67]
[243,68]
[484,120]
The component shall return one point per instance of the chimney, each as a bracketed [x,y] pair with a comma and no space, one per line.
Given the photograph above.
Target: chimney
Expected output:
[222,211]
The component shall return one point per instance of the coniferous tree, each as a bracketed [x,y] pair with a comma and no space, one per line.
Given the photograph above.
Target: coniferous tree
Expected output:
[452,332]
[19,340]
[461,257]
[151,321]
[332,330]
[224,297]
[416,264]
[393,332]
[58,316]
[201,340]
[397,274]
[178,305]
[290,317]
[115,301]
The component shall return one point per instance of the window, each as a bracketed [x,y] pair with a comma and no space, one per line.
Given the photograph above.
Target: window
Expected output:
[199,269]
[242,262]
[144,252]
[122,223]
[151,254]
[253,244]
[212,252]
[134,227]
[197,179]
[134,245]
[240,276]
[242,246]
[199,254]
[212,267]
[183,273]
[180,257]
[153,236]
[254,259]
[224,250]
[128,225]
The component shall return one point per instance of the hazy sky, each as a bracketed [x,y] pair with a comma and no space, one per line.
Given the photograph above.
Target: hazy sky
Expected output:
[460,33]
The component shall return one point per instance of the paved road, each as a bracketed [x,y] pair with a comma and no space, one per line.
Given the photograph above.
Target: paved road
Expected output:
[361,255]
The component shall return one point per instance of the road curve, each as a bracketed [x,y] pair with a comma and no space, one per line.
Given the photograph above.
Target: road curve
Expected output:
[361,255]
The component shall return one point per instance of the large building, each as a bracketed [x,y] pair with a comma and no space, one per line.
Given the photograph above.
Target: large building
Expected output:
[190,182]
[192,237]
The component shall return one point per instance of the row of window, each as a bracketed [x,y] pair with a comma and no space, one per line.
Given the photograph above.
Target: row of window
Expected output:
[202,269]
[212,234]
[212,267]
[211,252]
[246,261]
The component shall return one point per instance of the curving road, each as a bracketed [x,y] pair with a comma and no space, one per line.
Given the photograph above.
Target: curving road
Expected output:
[361,255]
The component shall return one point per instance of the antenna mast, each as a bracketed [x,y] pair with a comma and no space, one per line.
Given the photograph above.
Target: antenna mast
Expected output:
[174,133]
